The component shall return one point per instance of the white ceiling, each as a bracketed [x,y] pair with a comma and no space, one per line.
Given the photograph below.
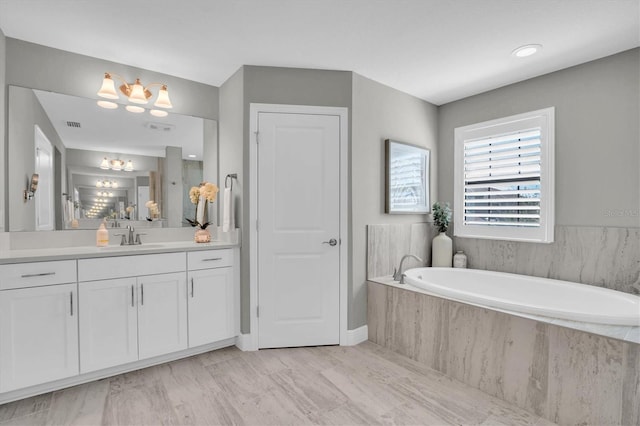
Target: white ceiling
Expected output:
[117,131]
[437,50]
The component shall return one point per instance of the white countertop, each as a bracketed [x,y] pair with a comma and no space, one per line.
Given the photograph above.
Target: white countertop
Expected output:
[87,252]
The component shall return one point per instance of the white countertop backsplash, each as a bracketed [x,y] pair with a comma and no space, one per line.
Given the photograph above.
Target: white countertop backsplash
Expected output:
[59,245]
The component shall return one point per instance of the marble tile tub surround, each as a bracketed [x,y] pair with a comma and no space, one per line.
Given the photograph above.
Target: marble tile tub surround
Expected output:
[603,256]
[386,244]
[567,376]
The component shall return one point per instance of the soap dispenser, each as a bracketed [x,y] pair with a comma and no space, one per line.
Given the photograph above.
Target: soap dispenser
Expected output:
[102,236]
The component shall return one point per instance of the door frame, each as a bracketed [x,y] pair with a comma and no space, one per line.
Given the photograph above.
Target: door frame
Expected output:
[342,114]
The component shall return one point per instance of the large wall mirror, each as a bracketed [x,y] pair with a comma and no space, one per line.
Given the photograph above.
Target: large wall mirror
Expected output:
[95,163]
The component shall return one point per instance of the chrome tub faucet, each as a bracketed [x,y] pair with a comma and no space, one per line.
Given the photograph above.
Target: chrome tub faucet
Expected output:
[398,274]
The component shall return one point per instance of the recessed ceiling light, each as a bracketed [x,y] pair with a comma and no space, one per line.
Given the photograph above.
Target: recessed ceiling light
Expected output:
[192,156]
[526,50]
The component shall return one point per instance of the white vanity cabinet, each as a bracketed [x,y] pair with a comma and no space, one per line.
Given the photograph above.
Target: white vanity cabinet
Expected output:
[38,323]
[138,316]
[109,325]
[65,322]
[211,296]
[162,314]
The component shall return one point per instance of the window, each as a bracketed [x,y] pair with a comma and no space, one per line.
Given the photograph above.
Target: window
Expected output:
[504,186]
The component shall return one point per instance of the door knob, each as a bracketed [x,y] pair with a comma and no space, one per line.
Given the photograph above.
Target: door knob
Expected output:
[332,242]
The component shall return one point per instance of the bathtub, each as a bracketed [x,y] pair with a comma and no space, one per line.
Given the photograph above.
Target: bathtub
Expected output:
[529,295]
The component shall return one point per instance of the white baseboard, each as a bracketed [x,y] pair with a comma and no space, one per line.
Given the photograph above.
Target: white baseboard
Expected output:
[358,335]
[244,342]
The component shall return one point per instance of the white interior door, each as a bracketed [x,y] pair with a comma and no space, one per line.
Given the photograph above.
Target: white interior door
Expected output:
[298,216]
[45,217]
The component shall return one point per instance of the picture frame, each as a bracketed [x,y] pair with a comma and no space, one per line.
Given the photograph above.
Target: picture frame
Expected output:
[407,178]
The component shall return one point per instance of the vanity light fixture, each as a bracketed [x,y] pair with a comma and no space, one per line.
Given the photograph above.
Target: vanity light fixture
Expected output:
[191,156]
[135,92]
[526,50]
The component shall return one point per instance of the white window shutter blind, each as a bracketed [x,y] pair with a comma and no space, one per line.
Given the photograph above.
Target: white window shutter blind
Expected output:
[503,182]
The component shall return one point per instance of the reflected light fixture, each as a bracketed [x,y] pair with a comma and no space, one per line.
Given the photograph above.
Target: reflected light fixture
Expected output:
[108,104]
[134,108]
[117,165]
[135,92]
[158,113]
[106,184]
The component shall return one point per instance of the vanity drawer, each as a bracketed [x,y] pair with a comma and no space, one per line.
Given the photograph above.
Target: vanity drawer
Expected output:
[130,266]
[34,274]
[209,259]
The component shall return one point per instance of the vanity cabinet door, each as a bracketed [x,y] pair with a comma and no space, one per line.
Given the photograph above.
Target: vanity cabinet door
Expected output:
[211,306]
[162,314]
[38,335]
[108,323]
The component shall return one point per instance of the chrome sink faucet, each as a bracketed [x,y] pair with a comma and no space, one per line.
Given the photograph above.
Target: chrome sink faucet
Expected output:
[131,240]
[398,274]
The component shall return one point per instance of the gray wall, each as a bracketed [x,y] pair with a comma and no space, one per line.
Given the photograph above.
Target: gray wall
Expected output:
[40,67]
[3,112]
[380,112]
[252,84]
[25,112]
[376,112]
[597,172]
[597,136]
[230,157]
[272,85]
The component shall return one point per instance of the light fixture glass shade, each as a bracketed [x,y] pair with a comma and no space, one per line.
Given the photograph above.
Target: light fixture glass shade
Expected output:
[104,164]
[108,89]
[137,95]
[114,184]
[134,108]
[110,194]
[129,166]
[107,184]
[158,113]
[99,184]
[163,100]
[116,165]
[107,104]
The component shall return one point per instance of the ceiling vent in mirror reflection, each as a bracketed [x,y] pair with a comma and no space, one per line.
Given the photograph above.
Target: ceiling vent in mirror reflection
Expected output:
[161,127]
[73,124]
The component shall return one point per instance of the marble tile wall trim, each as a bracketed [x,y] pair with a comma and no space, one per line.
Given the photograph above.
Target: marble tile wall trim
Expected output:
[564,375]
[386,244]
[606,257]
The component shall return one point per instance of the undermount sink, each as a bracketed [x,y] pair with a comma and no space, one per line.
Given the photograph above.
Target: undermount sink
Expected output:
[132,247]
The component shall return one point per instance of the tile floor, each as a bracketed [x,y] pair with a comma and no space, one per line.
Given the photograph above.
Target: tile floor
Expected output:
[359,385]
